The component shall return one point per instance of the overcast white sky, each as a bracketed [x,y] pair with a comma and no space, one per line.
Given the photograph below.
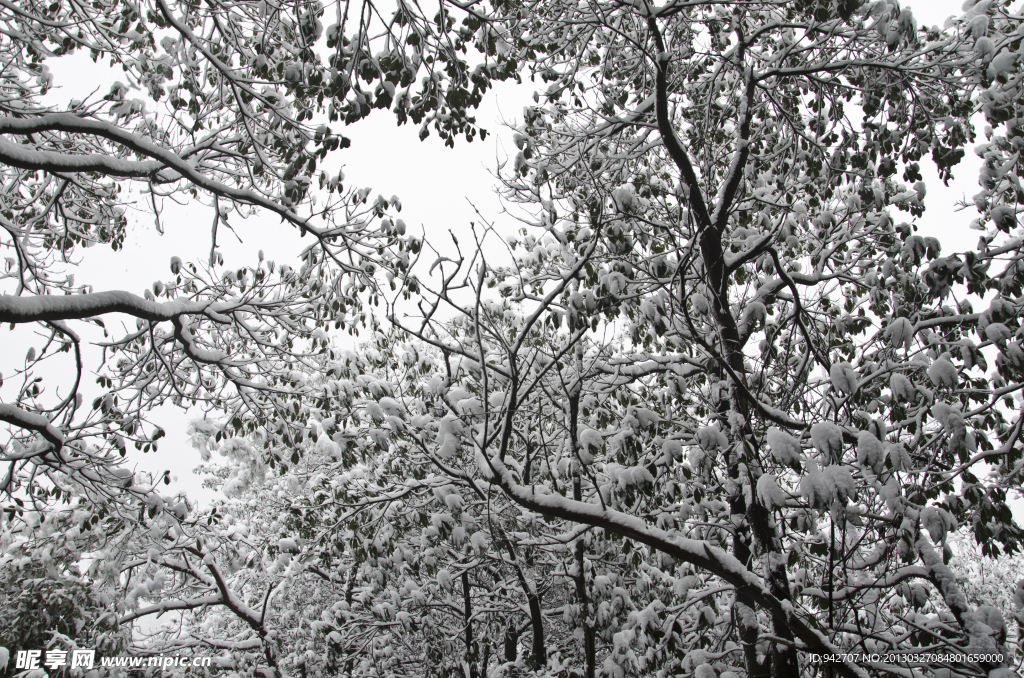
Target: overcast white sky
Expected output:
[433,183]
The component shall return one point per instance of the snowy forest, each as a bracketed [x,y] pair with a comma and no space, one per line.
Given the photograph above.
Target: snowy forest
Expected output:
[701,400]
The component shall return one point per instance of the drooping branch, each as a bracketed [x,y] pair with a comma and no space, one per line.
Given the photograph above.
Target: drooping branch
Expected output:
[979,634]
[32,422]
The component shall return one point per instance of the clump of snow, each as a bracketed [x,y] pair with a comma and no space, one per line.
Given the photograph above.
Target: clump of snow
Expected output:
[899,456]
[453,501]
[785,447]
[952,421]
[844,377]
[700,303]
[591,439]
[990,616]
[769,492]
[900,332]
[671,450]
[711,438]
[697,458]
[827,439]
[970,354]
[979,26]
[327,448]
[754,312]
[1014,353]
[841,481]
[392,407]
[625,198]
[816,487]
[704,671]
[1001,308]
[901,387]
[1004,215]
[870,453]
[984,47]
[942,372]
[947,416]
[479,541]
[444,579]
[469,407]
[997,332]
[647,418]
[937,521]
[374,411]
[449,431]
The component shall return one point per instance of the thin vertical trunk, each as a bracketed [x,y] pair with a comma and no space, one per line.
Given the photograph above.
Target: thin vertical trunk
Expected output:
[589,645]
[468,619]
[589,641]
[349,590]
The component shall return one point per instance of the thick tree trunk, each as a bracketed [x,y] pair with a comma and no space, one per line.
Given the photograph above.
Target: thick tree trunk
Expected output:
[539,655]
[511,642]
[540,651]
[744,608]
[712,226]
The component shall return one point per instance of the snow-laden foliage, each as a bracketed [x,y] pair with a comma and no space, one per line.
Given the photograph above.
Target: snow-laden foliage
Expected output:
[714,407]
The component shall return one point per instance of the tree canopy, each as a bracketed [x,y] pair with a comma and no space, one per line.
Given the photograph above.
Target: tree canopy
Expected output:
[702,401]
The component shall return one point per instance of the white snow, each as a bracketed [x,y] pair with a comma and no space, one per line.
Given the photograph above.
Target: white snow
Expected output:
[943,373]
[900,333]
[844,377]
[827,439]
[901,387]
[711,438]
[998,332]
[870,453]
[841,481]
[899,456]
[932,521]
[769,492]
[816,487]
[785,447]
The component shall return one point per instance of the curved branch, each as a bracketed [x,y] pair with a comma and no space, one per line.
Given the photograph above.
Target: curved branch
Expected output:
[50,161]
